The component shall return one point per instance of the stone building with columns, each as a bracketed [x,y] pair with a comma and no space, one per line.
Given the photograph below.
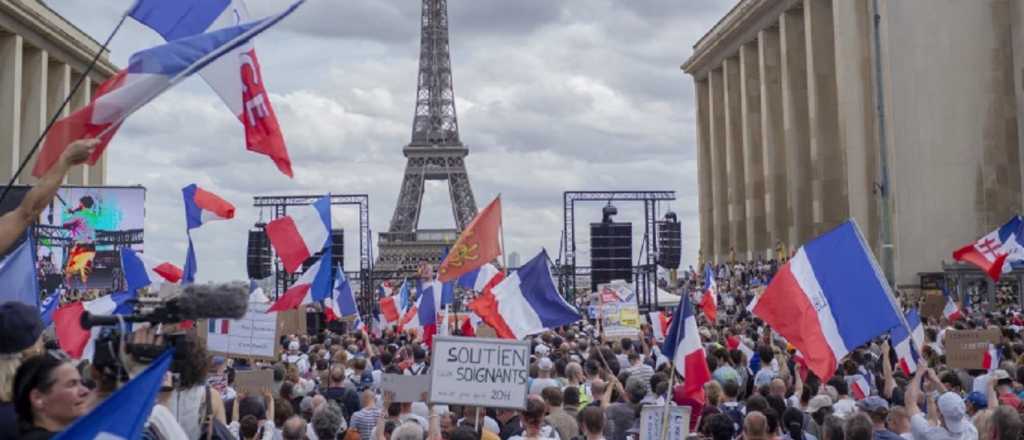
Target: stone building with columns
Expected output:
[42,56]
[905,115]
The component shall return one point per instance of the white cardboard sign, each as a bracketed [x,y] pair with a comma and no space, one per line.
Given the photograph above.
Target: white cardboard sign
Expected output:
[479,371]
[255,335]
[651,418]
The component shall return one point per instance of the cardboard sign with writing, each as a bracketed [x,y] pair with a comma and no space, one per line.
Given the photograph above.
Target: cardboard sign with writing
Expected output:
[406,388]
[933,301]
[651,418]
[476,371]
[253,382]
[966,348]
[619,314]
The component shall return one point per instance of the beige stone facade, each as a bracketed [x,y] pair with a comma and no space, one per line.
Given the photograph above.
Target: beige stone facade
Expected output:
[42,55]
[790,128]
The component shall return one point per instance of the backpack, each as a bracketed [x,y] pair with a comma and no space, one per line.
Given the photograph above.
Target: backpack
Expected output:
[212,429]
[735,412]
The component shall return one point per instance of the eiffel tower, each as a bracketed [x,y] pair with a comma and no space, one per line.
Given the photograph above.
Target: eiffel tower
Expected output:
[435,153]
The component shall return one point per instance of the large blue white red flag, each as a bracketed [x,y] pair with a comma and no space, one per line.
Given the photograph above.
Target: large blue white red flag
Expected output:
[526,302]
[709,298]
[149,73]
[314,285]
[828,299]
[236,77]
[18,275]
[994,252]
[296,237]
[201,206]
[123,415]
[141,270]
[908,342]
[683,346]
[342,302]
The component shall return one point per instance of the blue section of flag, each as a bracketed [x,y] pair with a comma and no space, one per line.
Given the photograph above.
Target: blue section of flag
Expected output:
[403,295]
[343,295]
[18,275]
[193,213]
[191,265]
[468,279]
[540,292]
[851,282]
[178,18]
[709,275]
[428,310]
[323,207]
[323,282]
[124,413]
[677,329]
[47,307]
[189,55]
[135,274]
[447,293]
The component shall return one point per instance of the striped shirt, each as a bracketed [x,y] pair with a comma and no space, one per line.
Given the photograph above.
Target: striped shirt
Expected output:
[365,420]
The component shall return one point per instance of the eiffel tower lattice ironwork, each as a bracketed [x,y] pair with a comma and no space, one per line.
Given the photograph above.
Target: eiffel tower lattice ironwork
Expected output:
[435,153]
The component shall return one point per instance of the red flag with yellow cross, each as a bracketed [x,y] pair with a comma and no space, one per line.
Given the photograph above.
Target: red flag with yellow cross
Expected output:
[478,244]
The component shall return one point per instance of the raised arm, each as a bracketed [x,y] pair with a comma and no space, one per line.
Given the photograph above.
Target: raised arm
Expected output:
[14,223]
[888,384]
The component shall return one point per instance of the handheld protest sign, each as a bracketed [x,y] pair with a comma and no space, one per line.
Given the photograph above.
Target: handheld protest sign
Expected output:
[651,419]
[619,313]
[406,388]
[966,348]
[480,372]
[253,382]
[932,303]
[255,336]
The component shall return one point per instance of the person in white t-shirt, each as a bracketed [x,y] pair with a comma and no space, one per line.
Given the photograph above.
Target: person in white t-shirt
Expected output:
[544,380]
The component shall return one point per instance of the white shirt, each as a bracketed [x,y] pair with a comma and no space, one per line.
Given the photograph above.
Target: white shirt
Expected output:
[163,420]
[300,360]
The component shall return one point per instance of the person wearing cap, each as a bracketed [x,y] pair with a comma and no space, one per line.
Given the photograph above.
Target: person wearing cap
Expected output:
[22,329]
[1004,389]
[544,379]
[297,358]
[975,402]
[877,409]
[953,423]
[819,407]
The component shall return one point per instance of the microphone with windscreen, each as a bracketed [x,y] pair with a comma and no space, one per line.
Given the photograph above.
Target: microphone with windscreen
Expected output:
[194,302]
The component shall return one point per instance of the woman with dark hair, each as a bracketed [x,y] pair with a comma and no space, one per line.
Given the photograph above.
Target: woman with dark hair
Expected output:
[793,425]
[48,395]
[188,402]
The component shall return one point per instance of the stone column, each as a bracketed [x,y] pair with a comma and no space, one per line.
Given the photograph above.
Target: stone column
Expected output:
[704,171]
[10,103]
[58,85]
[753,162]
[828,189]
[857,116]
[77,175]
[719,184]
[777,208]
[1017,42]
[33,105]
[734,159]
[795,120]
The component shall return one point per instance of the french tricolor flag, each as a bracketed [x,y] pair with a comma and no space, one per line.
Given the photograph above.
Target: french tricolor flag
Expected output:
[76,341]
[709,299]
[659,325]
[994,252]
[411,317]
[219,326]
[951,310]
[860,389]
[296,237]
[313,286]
[683,346]
[141,271]
[481,278]
[990,361]
[341,303]
[907,344]
[388,309]
[525,303]
[149,73]
[830,298]
[202,206]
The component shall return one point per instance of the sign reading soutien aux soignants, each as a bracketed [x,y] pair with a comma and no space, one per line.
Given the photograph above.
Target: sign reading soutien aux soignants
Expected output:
[479,371]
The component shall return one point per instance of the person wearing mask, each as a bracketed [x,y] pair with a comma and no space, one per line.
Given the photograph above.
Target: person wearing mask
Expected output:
[14,223]
[592,423]
[557,417]
[22,329]
[48,395]
[533,422]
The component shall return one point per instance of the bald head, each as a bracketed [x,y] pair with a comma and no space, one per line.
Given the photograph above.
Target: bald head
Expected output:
[318,401]
[294,428]
[778,388]
[755,426]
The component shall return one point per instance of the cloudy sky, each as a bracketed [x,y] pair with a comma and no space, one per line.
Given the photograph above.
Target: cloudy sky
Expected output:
[551,96]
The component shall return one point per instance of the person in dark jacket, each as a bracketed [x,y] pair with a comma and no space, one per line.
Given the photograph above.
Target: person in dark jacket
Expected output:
[22,329]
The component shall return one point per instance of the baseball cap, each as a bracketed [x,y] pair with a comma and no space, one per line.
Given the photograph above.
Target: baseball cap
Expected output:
[818,402]
[978,399]
[1000,374]
[545,364]
[21,326]
[953,411]
[873,404]
[542,349]
[294,345]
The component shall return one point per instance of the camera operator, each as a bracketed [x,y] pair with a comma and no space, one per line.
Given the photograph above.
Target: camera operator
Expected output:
[48,395]
[22,329]
[14,223]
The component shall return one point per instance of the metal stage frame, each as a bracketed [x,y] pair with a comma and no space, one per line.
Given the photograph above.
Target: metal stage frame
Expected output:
[279,206]
[645,276]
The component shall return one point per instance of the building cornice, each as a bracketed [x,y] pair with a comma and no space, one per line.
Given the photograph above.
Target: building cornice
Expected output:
[739,26]
[37,18]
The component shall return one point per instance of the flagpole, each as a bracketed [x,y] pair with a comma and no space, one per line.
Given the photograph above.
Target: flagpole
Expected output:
[60,110]
[671,383]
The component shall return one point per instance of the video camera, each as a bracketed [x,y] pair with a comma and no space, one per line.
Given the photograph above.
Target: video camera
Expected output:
[171,305]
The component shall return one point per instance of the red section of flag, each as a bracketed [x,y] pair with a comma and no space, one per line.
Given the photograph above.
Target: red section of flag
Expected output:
[262,132]
[971,255]
[215,204]
[388,309]
[478,244]
[287,241]
[169,272]
[467,328]
[224,324]
[77,125]
[709,306]
[485,305]
[291,299]
[70,334]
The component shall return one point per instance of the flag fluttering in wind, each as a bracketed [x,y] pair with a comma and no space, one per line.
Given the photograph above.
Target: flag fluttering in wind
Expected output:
[201,206]
[479,244]
[237,77]
[709,298]
[313,286]
[18,275]
[683,346]
[150,72]
[142,271]
[994,252]
[296,237]
[830,298]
